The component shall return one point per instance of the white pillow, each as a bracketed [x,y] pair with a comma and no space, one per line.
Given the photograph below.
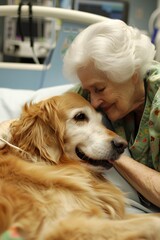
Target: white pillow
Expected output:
[12,100]
[49,92]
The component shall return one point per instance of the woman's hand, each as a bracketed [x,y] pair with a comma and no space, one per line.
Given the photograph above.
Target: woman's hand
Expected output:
[144,179]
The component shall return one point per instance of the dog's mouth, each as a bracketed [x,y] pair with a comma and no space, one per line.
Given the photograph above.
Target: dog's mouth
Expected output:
[95,162]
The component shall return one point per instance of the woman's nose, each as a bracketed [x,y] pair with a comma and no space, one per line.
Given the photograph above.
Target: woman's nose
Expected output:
[95,102]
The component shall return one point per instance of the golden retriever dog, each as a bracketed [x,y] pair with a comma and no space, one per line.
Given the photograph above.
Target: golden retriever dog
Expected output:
[51,177]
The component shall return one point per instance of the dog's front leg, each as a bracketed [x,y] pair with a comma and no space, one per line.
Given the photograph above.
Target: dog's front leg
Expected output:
[93,228]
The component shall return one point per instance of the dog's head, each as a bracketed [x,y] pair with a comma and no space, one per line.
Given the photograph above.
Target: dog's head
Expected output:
[69,125]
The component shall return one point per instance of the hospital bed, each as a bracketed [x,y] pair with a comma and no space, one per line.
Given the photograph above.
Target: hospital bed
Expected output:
[21,83]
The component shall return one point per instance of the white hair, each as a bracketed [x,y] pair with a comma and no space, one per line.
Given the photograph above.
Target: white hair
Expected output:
[115,48]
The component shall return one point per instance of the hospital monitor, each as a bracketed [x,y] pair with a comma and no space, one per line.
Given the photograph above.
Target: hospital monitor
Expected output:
[116,9]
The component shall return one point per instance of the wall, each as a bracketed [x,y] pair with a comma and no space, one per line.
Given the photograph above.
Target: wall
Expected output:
[140,11]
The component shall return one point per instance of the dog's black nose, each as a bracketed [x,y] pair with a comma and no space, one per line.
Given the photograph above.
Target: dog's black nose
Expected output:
[119,144]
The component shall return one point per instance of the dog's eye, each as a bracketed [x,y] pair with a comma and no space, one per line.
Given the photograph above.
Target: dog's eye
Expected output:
[80,117]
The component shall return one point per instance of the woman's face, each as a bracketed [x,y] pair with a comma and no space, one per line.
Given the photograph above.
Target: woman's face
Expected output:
[115,99]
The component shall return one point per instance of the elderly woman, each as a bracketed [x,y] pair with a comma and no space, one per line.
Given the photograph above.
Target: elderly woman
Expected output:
[115,66]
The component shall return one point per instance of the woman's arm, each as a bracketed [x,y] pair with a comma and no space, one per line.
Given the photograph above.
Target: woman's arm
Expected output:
[144,179]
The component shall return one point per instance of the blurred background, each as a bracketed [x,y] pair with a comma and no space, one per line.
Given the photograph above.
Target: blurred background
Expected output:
[15,47]
[134,12]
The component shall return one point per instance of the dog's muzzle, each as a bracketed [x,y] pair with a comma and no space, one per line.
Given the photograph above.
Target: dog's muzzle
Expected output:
[118,146]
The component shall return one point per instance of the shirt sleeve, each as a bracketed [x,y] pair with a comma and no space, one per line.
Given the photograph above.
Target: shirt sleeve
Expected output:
[154,130]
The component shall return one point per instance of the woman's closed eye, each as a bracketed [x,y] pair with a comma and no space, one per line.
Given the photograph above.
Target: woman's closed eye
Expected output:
[98,90]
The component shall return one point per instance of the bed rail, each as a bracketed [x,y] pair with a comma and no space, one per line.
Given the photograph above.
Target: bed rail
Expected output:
[35,76]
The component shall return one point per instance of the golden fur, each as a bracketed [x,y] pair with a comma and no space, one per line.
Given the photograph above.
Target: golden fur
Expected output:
[48,192]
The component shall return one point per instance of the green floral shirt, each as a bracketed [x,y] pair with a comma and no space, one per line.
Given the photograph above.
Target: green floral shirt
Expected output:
[144,145]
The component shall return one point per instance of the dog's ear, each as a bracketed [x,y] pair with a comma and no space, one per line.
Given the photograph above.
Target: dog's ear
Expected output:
[40,131]
[54,117]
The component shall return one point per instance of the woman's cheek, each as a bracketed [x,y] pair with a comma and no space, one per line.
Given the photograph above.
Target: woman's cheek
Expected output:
[115,113]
